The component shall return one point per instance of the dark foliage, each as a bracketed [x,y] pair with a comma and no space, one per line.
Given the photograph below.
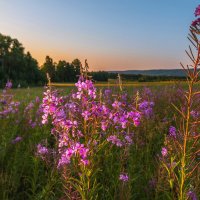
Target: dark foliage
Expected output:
[23,70]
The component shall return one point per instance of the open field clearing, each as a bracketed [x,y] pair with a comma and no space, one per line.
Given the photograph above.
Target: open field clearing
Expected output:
[118,129]
[120,147]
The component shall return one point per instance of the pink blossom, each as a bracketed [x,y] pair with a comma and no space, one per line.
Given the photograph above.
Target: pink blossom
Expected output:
[124,177]
[197,11]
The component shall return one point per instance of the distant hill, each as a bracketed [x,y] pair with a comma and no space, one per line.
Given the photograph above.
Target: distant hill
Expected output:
[154,72]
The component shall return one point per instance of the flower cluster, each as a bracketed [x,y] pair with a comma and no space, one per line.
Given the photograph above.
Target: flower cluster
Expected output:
[49,105]
[195,114]
[33,112]
[196,13]
[77,149]
[17,139]
[164,151]
[172,131]
[123,177]
[85,87]
[192,196]
[82,121]
[8,84]
[7,105]
[146,108]
[42,151]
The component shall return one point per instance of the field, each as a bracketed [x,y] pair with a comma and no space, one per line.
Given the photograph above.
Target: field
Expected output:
[120,157]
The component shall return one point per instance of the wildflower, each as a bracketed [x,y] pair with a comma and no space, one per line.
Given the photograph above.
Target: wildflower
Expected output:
[107,92]
[41,150]
[124,177]
[194,114]
[197,11]
[146,108]
[136,122]
[116,104]
[135,116]
[128,139]
[123,121]
[196,22]
[114,140]
[164,151]
[65,157]
[16,140]
[75,149]
[172,131]
[8,84]
[191,195]
[147,91]
[37,99]
[85,162]
[86,115]
[83,151]
[85,87]
[103,126]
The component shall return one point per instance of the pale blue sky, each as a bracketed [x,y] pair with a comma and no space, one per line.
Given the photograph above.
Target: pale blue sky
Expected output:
[111,34]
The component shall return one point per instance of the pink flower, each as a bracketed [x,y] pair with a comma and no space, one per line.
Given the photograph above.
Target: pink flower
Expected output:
[41,150]
[8,84]
[196,22]
[16,140]
[164,151]
[123,177]
[172,131]
[197,11]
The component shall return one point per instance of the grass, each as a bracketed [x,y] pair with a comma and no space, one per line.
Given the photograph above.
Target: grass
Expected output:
[28,94]
[24,176]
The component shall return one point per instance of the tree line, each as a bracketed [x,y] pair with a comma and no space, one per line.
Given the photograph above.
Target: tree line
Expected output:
[23,70]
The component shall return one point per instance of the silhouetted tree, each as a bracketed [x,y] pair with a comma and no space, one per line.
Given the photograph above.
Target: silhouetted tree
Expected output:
[17,65]
[49,67]
[77,65]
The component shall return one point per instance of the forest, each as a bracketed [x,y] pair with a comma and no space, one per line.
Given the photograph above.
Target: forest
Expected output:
[23,70]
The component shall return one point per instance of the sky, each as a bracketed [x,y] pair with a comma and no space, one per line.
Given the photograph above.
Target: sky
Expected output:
[110,34]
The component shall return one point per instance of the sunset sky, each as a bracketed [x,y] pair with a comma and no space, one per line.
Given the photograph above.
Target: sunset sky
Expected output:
[111,34]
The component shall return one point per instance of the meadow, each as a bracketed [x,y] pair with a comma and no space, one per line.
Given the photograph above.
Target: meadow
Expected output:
[29,155]
[101,141]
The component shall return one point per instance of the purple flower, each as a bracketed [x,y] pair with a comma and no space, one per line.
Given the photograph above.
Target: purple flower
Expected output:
[16,140]
[114,140]
[128,140]
[197,11]
[124,177]
[65,157]
[146,108]
[135,116]
[147,91]
[83,152]
[37,100]
[76,149]
[123,121]
[41,150]
[172,131]
[164,151]
[86,115]
[103,126]
[8,84]
[196,22]
[107,92]
[191,195]
[116,104]
[85,162]
[194,114]
[85,86]
[66,114]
